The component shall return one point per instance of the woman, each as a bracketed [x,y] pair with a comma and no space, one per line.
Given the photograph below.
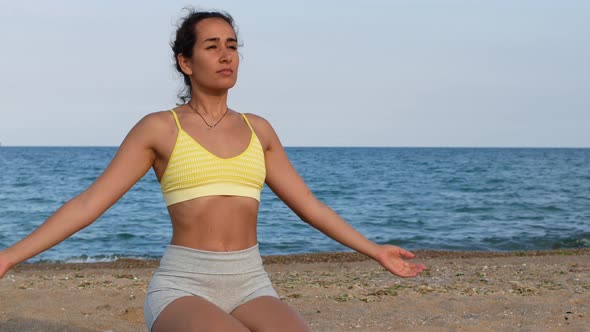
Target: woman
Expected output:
[211,162]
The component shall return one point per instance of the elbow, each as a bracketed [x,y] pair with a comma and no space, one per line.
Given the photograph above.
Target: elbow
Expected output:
[304,218]
[83,210]
[311,211]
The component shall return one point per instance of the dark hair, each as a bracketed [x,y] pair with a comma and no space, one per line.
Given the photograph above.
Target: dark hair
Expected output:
[186,36]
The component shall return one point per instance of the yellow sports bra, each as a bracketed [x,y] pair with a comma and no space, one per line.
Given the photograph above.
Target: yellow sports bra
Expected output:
[193,171]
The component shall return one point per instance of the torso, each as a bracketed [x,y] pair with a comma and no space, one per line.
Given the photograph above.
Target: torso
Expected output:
[213,223]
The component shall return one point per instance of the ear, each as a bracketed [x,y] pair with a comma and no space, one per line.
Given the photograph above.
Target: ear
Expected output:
[185,64]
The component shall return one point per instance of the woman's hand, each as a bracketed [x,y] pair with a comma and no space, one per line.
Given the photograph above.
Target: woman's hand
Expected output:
[390,257]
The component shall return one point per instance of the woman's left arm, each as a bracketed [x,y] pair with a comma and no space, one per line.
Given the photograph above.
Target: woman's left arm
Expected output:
[285,182]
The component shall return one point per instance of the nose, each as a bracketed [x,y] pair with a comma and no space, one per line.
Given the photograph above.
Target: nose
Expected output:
[225,56]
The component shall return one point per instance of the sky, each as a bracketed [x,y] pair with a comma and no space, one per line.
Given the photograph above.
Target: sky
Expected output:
[323,73]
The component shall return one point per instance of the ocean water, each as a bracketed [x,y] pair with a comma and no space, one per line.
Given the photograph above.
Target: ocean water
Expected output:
[490,199]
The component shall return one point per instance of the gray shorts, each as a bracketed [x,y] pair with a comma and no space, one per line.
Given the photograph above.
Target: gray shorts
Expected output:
[226,279]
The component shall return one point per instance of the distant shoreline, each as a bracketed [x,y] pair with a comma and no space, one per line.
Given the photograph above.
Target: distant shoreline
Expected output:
[331,147]
[324,257]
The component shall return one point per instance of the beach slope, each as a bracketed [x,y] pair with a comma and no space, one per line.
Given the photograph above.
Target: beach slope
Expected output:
[467,291]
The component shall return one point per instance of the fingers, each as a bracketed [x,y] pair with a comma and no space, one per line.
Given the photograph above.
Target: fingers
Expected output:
[394,262]
[406,254]
[413,272]
[414,269]
[407,270]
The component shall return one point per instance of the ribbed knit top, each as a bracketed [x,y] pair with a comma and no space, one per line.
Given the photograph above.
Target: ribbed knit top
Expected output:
[193,171]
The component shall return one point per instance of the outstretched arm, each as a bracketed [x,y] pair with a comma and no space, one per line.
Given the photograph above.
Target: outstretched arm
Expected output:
[285,182]
[132,160]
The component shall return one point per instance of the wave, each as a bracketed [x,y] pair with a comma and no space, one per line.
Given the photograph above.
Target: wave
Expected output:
[97,259]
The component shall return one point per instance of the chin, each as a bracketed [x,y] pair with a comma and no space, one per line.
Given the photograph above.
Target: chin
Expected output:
[223,85]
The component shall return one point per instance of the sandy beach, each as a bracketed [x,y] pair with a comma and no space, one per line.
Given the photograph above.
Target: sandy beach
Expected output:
[460,291]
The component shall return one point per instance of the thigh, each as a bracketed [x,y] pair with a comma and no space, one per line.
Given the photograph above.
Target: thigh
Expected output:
[268,314]
[194,313]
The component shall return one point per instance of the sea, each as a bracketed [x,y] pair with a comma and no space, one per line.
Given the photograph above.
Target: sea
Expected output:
[476,199]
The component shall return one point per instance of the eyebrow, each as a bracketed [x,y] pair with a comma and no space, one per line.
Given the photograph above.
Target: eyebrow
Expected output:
[217,39]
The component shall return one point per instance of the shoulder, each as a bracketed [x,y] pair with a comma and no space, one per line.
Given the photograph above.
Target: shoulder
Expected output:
[263,129]
[258,122]
[156,121]
[153,126]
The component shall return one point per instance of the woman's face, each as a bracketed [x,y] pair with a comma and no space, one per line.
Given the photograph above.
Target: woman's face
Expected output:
[215,60]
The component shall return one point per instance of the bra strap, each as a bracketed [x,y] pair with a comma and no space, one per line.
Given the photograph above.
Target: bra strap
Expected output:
[248,122]
[176,119]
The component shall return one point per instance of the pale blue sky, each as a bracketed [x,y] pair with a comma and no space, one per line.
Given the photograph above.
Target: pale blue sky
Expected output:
[324,73]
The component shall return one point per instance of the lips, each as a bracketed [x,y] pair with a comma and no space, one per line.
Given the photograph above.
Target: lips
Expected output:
[225,71]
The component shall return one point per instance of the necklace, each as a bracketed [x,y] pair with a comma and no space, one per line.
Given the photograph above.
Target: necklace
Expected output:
[208,125]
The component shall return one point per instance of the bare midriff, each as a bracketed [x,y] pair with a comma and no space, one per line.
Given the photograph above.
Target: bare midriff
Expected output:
[215,223]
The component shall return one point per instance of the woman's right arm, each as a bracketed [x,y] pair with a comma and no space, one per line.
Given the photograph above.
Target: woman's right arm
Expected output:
[133,159]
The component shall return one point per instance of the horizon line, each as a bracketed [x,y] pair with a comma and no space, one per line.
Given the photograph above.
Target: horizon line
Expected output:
[330,146]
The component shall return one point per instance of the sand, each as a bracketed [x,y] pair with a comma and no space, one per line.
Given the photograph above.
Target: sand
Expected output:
[460,291]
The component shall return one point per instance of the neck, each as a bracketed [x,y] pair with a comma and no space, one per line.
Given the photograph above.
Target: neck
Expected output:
[209,104]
